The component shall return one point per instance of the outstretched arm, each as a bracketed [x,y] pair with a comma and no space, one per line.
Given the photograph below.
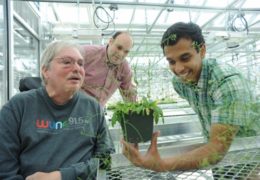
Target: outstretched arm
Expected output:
[221,137]
[127,87]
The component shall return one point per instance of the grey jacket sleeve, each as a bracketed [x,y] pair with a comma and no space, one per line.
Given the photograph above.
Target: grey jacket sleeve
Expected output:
[9,145]
[81,171]
[104,146]
[104,142]
[101,157]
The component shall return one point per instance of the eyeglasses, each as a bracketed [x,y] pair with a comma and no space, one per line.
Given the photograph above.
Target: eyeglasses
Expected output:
[69,62]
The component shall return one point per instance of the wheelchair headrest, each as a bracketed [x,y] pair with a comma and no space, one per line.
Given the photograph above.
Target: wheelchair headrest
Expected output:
[29,83]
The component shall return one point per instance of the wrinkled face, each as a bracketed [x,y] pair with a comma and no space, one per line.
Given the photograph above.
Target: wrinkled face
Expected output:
[66,72]
[119,48]
[184,61]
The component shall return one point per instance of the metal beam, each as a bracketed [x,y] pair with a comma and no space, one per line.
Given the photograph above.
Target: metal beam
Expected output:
[151,27]
[218,14]
[155,5]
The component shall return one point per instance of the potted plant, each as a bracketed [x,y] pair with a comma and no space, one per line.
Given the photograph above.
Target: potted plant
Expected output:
[137,119]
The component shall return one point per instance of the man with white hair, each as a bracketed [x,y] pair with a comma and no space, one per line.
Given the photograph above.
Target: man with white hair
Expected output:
[55,132]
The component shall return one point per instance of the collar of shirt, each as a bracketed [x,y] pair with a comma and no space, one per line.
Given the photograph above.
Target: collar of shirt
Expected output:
[202,82]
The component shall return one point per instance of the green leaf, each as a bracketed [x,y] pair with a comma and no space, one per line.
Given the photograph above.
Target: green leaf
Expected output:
[144,107]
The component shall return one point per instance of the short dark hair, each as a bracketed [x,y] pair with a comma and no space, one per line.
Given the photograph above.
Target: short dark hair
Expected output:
[118,33]
[181,30]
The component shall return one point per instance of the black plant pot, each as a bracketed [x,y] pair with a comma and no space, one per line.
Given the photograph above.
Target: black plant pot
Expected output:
[137,127]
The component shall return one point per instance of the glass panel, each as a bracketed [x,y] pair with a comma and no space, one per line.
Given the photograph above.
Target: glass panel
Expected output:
[25,61]
[27,13]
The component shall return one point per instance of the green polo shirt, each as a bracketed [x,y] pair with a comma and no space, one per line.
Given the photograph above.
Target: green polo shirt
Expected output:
[222,95]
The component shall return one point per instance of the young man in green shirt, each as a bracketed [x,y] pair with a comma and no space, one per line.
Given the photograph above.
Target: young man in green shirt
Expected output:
[218,93]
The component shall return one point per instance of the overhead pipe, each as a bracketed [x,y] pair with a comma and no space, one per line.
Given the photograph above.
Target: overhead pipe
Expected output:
[154,5]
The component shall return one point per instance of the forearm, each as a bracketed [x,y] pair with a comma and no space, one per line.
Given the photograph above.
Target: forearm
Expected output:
[221,137]
[201,157]
[9,145]
[54,175]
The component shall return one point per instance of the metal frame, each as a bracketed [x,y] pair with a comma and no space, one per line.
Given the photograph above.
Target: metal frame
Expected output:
[151,33]
[8,40]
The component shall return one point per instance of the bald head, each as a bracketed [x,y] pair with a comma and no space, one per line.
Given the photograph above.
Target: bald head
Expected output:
[118,47]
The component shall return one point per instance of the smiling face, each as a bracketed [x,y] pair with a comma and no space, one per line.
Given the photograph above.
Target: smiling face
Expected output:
[119,48]
[65,73]
[184,61]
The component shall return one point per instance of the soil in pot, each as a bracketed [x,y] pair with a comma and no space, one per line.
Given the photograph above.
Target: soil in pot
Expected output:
[137,127]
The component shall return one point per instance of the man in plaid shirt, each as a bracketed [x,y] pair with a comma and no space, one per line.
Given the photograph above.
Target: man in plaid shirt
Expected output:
[106,69]
[219,94]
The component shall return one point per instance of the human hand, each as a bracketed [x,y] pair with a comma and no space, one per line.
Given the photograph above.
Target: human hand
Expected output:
[55,175]
[151,160]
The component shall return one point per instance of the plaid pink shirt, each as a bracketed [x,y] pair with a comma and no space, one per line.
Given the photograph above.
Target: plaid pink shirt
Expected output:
[101,81]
